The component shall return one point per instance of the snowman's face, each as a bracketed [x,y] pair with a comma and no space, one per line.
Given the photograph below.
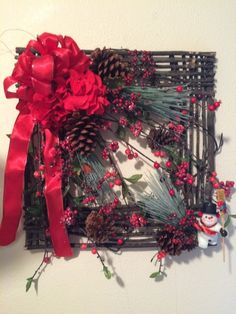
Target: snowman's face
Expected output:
[209,220]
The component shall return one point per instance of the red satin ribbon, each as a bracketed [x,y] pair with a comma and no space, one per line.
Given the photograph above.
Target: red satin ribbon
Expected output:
[14,177]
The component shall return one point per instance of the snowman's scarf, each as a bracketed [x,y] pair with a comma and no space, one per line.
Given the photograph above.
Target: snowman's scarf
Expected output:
[205,229]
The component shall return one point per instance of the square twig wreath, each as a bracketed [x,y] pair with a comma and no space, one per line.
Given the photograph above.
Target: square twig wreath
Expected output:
[184,83]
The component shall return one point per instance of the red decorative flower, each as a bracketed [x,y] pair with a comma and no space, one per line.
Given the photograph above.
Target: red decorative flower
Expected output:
[54,79]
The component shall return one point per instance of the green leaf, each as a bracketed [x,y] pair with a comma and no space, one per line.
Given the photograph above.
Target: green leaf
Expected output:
[34,210]
[135,178]
[121,133]
[29,283]
[154,275]
[8,135]
[125,190]
[228,220]
[107,272]
[233,216]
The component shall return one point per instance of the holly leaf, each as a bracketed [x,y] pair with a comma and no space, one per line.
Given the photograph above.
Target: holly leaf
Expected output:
[107,272]
[135,178]
[125,190]
[28,283]
[121,133]
[154,275]
[228,220]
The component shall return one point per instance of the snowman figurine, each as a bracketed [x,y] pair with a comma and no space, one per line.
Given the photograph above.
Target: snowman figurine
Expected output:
[208,226]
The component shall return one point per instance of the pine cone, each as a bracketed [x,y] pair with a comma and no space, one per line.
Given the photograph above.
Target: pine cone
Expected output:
[160,137]
[99,228]
[81,133]
[173,240]
[108,64]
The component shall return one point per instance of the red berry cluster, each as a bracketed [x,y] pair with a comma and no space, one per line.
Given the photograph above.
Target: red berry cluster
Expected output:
[130,154]
[114,146]
[159,153]
[137,220]
[143,65]
[160,255]
[136,128]
[217,184]
[127,103]
[111,178]
[39,174]
[108,208]
[178,130]
[69,217]
[182,175]
[214,106]
[123,121]
[89,200]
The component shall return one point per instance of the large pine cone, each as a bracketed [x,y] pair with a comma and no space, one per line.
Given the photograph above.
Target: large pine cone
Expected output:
[99,227]
[108,64]
[160,137]
[173,241]
[81,133]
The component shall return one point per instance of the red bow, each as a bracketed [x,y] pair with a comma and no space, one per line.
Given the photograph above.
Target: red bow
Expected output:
[53,79]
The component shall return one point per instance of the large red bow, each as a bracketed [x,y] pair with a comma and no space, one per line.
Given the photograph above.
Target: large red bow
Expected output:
[53,79]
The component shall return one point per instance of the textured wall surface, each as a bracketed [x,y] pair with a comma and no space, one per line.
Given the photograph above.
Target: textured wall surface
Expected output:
[197,282]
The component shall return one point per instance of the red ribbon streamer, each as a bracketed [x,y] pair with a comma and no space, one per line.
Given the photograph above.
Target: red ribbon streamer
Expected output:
[53,79]
[14,177]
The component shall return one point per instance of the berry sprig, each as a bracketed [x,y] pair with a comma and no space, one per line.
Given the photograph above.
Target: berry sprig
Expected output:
[227,186]
[214,106]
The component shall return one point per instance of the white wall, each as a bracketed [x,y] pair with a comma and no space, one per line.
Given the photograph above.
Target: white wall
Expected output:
[196,282]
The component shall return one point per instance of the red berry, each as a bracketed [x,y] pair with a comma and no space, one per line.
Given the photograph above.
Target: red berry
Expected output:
[190,181]
[162,154]
[214,174]
[94,250]
[37,174]
[168,164]
[47,260]
[130,156]
[120,241]
[117,182]
[84,246]
[216,185]
[135,155]
[157,153]
[211,108]
[127,151]
[216,104]
[156,165]
[111,185]
[179,89]
[41,167]
[37,194]
[193,100]
[172,192]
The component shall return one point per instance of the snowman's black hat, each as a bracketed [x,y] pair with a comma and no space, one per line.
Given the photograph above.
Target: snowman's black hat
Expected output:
[209,208]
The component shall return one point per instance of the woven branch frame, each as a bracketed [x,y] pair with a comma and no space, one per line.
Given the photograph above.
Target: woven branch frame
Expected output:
[196,70]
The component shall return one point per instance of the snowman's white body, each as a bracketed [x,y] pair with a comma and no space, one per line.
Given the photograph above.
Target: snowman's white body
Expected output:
[210,223]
